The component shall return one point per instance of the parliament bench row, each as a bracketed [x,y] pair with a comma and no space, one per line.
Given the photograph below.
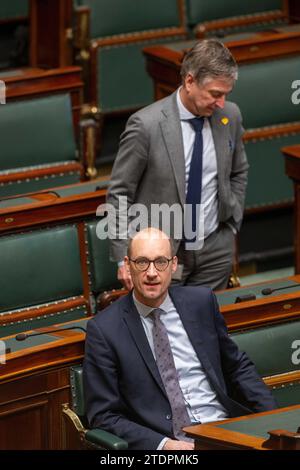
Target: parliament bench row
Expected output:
[42,145]
[53,265]
[108,41]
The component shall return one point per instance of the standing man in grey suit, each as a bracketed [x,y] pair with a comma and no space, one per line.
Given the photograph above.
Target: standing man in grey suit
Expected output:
[159,157]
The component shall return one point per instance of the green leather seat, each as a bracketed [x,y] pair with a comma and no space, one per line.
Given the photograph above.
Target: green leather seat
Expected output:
[119,30]
[35,135]
[102,271]
[38,269]
[204,11]
[13,9]
[76,415]
[268,105]
[270,348]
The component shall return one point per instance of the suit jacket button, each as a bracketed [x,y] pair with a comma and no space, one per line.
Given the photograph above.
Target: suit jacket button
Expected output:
[168,417]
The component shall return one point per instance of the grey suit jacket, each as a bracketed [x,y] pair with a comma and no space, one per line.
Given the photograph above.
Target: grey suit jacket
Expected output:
[150,165]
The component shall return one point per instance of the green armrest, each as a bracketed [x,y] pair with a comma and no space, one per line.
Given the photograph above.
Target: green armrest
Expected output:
[105,439]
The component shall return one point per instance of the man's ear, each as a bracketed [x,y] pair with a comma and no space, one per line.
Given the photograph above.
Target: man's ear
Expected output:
[127,263]
[188,81]
[174,263]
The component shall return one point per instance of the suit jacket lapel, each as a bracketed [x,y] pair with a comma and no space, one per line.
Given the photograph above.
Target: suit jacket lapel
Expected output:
[172,135]
[221,141]
[134,324]
[195,334]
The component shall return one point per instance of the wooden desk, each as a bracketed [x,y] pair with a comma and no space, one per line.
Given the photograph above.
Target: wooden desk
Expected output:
[272,430]
[292,169]
[163,62]
[51,206]
[264,309]
[280,305]
[34,383]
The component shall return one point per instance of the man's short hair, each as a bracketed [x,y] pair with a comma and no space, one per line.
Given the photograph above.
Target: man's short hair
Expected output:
[209,59]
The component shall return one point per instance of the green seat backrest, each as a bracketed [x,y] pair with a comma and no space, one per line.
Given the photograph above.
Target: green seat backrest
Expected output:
[112,17]
[270,347]
[265,158]
[103,272]
[77,391]
[287,395]
[263,92]
[39,267]
[126,65]
[200,11]
[35,132]
[13,9]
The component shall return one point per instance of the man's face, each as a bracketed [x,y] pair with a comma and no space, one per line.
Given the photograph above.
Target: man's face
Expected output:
[151,286]
[202,99]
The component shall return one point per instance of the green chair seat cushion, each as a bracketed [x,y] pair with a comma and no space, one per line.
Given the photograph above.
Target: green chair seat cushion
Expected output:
[287,395]
[37,131]
[270,347]
[201,11]
[263,92]
[103,272]
[118,90]
[13,9]
[113,17]
[265,158]
[39,266]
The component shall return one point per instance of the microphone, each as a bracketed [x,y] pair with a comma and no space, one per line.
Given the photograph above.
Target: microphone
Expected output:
[268,290]
[244,298]
[23,336]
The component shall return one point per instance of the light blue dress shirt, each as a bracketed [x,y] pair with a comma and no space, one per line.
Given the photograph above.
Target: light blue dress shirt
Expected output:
[201,401]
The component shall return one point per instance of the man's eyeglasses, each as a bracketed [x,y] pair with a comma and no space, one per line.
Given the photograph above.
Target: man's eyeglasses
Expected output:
[160,264]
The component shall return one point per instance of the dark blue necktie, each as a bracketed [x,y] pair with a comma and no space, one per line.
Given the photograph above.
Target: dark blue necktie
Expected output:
[193,196]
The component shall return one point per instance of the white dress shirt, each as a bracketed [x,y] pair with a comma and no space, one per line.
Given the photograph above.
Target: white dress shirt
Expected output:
[201,401]
[209,194]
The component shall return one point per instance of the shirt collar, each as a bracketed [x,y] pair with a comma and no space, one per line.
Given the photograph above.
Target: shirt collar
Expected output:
[184,114]
[145,310]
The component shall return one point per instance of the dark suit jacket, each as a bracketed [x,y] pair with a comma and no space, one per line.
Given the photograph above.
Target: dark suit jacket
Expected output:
[123,388]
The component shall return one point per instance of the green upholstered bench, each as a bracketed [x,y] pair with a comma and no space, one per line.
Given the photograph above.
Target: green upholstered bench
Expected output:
[235,16]
[13,9]
[76,417]
[102,271]
[111,47]
[38,148]
[272,350]
[271,121]
[41,280]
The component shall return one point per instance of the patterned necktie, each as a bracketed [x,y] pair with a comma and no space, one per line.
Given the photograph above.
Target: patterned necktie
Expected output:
[169,376]
[193,196]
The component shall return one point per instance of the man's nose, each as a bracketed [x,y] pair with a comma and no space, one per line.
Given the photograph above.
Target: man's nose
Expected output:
[221,102]
[151,271]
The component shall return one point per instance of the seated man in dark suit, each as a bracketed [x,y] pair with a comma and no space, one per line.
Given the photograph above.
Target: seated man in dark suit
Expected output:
[160,358]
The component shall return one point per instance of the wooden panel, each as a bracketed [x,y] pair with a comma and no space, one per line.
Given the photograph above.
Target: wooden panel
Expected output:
[51,33]
[34,383]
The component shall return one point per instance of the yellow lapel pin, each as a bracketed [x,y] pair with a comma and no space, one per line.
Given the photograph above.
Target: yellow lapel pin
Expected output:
[225,121]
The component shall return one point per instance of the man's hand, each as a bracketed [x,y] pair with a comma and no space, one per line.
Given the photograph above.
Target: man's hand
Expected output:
[125,278]
[178,445]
